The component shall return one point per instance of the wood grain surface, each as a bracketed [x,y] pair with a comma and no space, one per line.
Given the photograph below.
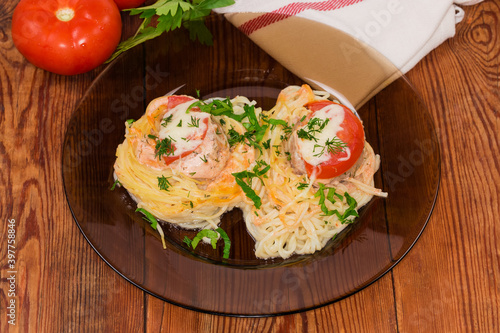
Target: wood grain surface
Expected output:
[448,282]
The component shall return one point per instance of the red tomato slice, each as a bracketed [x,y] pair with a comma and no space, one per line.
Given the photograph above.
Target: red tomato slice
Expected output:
[175,100]
[172,102]
[171,158]
[352,134]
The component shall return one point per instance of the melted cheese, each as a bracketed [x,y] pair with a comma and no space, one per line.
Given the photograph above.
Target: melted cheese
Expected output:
[181,130]
[310,150]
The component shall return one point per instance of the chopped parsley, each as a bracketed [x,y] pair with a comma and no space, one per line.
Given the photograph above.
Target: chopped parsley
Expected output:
[276,122]
[249,175]
[287,129]
[217,107]
[277,150]
[302,186]
[213,235]
[351,211]
[234,137]
[266,144]
[148,217]
[254,130]
[154,224]
[117,182]
[331,194]
[130,121]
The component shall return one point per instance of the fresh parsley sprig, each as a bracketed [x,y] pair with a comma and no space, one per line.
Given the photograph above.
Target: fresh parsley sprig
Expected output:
[171,15]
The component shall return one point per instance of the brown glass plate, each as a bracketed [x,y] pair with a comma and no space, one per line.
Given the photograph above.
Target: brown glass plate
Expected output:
[396,123]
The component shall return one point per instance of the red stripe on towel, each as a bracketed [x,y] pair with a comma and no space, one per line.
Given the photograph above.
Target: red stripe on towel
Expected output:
[292,9]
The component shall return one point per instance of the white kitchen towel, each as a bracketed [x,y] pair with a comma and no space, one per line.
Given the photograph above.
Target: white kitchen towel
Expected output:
[323,40]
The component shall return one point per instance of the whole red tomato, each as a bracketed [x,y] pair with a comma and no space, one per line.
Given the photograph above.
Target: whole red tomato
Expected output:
[126,4]
[66,36]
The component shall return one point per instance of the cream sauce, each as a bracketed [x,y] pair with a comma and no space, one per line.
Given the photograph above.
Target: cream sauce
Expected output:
[185,128]
[310,150]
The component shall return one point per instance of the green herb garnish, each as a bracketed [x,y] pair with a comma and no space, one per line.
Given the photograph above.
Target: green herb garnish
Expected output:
[195,122]
[249,175]
[302,186]
[170,15]
[154,224]
[266,144]
[286,128]
[217,107]
[213,235]
[166,120]
[227,243]
[254,130]
[234,137]
[313,126]
[163,147]
[333,146]
[163,183]
[351,211]
[330,196]
[117,182]
[148,217]
[249,192]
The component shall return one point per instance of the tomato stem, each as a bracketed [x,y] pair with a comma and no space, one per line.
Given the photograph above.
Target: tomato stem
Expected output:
[65,14]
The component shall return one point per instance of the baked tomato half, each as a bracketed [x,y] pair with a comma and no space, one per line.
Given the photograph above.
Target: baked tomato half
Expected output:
[180,132]
[66,36]
[127,4]
[331,140]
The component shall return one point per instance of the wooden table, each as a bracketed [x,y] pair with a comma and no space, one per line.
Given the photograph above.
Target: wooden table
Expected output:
[449,282]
